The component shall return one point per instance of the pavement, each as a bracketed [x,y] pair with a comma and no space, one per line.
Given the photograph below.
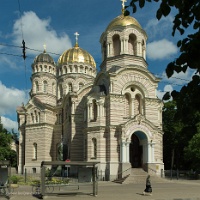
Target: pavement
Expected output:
[167,190]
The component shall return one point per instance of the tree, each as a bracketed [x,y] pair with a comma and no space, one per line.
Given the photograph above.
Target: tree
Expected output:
[6,153]
[192,151]
[172,127]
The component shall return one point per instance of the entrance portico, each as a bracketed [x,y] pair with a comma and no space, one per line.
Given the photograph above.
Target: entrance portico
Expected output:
[137,148]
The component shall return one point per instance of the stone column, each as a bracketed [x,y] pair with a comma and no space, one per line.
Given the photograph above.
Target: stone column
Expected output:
[149,152]
[108,49]
[127,151]
[123,151]
[122,46]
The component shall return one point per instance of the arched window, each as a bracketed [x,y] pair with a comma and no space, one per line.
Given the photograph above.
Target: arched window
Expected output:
[36,86]
[80,85]
[32,117]
[45,86]
[132,45]
[35,151]
[60,90]
[94,148]
[70,87]
[104,51]
[137,104]
[127,105]
[143,50]
[116,45]
[94,110]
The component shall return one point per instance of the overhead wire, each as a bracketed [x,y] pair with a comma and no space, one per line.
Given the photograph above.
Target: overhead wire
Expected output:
[23,49]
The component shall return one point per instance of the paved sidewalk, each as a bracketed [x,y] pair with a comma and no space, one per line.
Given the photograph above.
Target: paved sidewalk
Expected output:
[169,190]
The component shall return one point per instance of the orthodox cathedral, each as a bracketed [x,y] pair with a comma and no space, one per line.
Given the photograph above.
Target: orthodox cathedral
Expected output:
[112,117]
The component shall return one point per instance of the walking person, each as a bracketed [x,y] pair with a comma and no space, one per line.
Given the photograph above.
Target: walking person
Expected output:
[148,189]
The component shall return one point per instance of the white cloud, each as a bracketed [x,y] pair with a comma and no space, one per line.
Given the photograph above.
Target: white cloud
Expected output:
[10,99]
[38,32]
[161,49]
[167,88]
[158,28]
[179,78]
[9,124]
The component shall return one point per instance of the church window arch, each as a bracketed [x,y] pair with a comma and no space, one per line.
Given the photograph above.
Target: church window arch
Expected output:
[86,69]
[70,69]
[70,87]
[41,68]
[116,45]
[36,68]
[45,68]
[35,151]
[80,85]
[138,104]
[76,68]
[49,69]
[94,148]
[65,70]
[143,49]
[32,118]
[81,69]
[45,86]
[128,107]
[132,48]
[104,51]
[94,110]
[36,86]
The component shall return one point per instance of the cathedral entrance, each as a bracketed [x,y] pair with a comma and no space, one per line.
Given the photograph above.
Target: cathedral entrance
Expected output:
[135,152]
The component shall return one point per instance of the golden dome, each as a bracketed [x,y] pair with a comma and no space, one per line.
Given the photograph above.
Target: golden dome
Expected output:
[76,55]
[124,21]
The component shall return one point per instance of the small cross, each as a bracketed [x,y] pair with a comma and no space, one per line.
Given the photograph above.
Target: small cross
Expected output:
[76,34]
[123,3]
[45,47]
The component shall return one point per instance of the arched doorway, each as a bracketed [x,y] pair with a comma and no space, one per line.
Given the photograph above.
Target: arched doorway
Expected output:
[135,152]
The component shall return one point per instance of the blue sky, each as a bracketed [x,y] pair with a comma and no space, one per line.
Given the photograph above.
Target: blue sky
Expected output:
[54,22]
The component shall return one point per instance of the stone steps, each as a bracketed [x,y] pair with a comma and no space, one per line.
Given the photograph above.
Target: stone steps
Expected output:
[138,175]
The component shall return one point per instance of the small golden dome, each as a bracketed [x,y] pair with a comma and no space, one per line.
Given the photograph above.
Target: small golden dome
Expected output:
[76,55]
[124,21]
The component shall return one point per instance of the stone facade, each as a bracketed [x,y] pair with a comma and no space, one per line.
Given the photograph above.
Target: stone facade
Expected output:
[112,116]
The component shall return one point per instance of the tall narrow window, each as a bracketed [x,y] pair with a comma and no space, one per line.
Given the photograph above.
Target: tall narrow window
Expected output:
[116,45]
[36,86]
[94,110]
[132,45]
[80,85]
[70,87]
[127,105]
[94,148]
[35,151]
[137,106]
[45,86]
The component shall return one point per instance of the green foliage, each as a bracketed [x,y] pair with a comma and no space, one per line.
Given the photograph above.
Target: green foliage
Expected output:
[192,151]
[6,153]
[14,179]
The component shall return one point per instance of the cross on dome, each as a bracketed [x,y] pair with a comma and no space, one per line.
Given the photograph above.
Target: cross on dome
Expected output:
[123,3]
[76,34]
[45,47]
